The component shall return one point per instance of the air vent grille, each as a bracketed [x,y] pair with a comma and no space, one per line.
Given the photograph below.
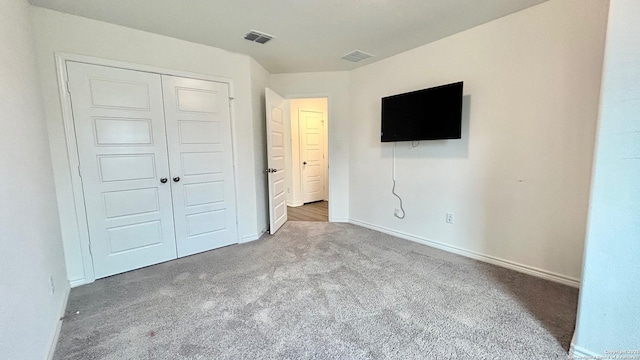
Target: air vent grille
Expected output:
[356,56]
[258,36]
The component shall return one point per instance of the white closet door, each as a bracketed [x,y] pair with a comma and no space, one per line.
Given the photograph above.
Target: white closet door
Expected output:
[119,122]
[201,161]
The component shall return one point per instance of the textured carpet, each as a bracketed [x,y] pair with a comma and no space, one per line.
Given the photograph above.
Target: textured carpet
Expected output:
[320,291]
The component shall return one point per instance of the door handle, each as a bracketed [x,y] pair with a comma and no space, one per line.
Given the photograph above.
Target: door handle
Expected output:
[163,180]
[304,163]
[176,179]
[274,170]
[270,170]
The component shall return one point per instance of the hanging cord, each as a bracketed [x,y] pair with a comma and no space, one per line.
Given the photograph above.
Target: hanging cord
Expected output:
[393,177]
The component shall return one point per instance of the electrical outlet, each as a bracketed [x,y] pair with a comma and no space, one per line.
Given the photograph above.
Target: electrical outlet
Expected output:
[52,284]
[449,218]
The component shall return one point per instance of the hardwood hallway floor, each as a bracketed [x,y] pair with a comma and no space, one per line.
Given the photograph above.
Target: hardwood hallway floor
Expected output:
[315,211]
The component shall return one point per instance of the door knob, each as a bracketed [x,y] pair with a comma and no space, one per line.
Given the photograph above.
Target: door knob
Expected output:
[274,170]
[176,179]
[163,180]
[304,163]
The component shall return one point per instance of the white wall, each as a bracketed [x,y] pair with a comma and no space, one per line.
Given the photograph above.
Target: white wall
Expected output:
[58,32]
[518,180]
[292,153]
[30,240]
[609,310]
[259,81]
[334,86]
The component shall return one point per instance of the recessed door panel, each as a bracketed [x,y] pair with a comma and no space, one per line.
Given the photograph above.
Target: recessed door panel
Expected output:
[130,202]
[203,193]
[123,131]
[127,167]
[278,162]
[313,139]
[278,187]
[314,172]
[313,155]
[206,223]
[314,185]
[117,116]
[200,155]
[193,132]
[312,122]
[202,163]
[277,139]
[280,210]
[119,94]
[193,100]
[134,237]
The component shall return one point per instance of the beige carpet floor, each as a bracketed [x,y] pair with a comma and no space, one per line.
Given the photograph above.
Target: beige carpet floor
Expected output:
[320,291]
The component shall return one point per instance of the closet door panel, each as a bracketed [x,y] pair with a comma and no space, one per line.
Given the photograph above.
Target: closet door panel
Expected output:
[120,134]
[201,163]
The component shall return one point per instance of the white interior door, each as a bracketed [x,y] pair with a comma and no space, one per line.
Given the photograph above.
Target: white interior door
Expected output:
[311,128]
[120,130]
[275,107]
[201,161]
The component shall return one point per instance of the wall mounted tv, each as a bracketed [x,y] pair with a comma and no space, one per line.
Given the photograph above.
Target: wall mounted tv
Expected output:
[428,114]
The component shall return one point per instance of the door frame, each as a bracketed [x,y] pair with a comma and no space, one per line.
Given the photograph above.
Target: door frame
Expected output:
[72,151]
[293,96]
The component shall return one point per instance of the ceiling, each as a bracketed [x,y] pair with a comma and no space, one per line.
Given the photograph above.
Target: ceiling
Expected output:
[309,35]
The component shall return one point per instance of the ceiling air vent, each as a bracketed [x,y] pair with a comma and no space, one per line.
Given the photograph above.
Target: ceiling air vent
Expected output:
[257,36]
[356,56]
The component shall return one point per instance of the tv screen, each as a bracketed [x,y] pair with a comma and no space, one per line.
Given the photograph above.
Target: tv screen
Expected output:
[428,114]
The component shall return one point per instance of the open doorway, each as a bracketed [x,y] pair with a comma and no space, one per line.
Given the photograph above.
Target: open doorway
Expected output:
[307,160]
[297,158]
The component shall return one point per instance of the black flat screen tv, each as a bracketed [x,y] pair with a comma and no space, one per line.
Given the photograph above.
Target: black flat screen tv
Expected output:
[428,114]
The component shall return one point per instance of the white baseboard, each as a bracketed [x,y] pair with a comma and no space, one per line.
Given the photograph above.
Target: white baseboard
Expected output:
[294,204]
[56,335]
[77,282]
[249,238]
[252,237]
[339,220]
[576,351]
[530,270]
